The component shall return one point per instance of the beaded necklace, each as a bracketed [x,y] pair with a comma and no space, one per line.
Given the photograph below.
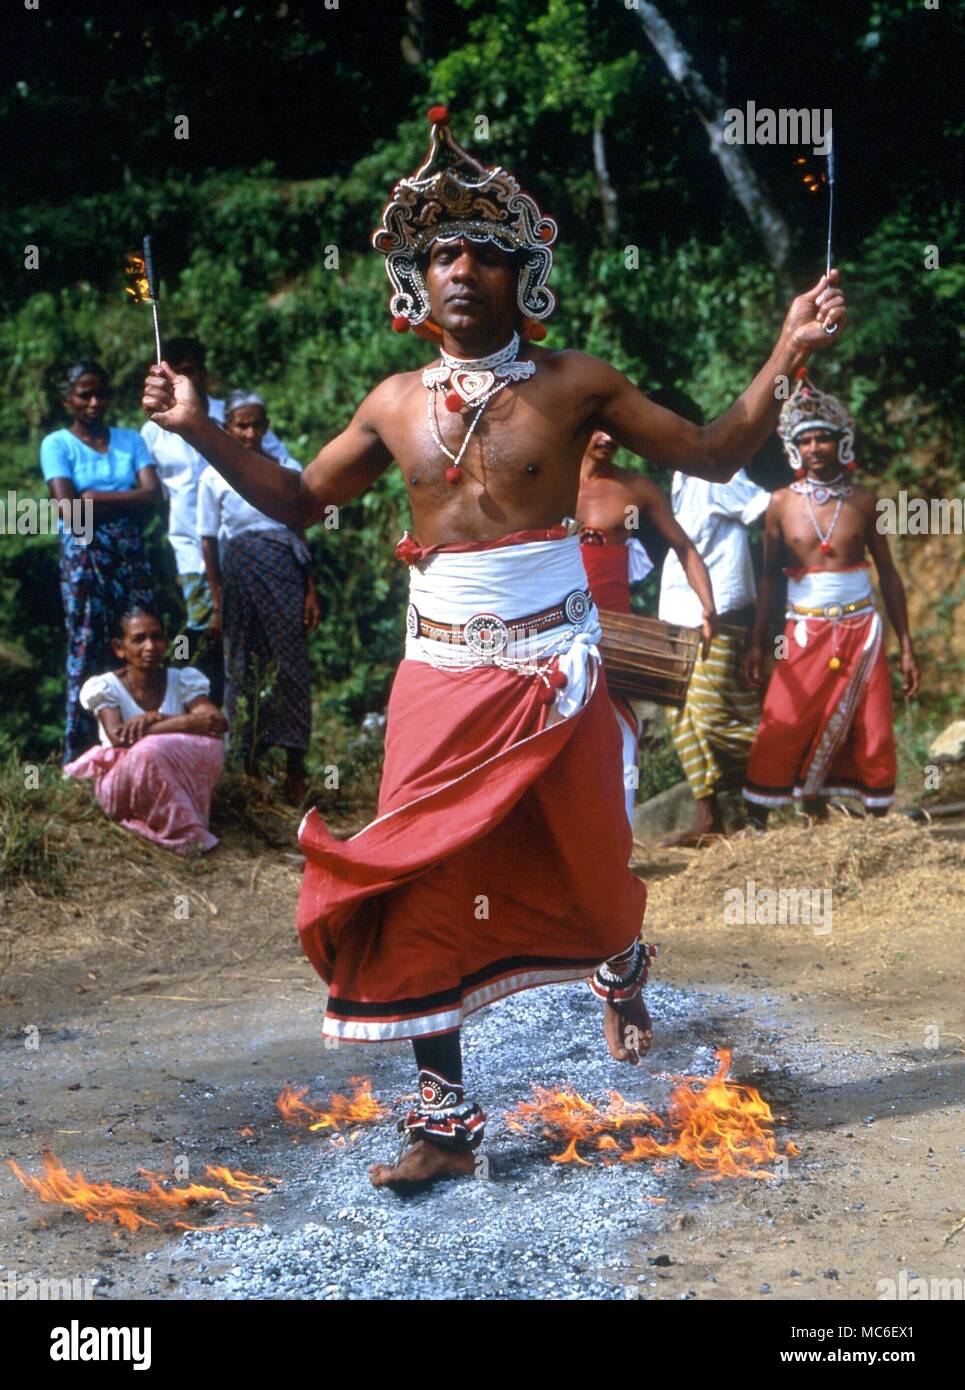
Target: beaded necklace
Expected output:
[470,383]
[819,493]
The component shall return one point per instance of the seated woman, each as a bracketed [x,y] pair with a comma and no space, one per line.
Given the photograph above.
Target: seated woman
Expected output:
[269,603]
[161,748]
[102,572]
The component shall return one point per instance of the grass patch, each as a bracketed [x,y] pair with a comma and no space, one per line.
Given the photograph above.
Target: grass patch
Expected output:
[659,765]
[36,808]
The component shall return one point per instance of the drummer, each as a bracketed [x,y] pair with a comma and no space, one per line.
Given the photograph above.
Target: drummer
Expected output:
[614,503]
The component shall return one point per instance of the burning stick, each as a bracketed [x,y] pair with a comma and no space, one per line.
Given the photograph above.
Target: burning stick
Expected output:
[830,328]
[813,182]
[139,269]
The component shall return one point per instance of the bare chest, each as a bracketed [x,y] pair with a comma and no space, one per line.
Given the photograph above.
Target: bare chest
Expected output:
[522,437]
[834,529]
[604,505]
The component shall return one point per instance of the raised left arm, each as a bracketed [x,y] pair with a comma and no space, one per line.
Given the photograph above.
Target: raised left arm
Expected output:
[717,450]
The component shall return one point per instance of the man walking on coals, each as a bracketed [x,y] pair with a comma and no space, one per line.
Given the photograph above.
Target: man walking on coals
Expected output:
[498,857]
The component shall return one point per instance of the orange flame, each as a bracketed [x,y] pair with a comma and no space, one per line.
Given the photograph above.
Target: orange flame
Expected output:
[139,287]
[721,1127]
[361,1108]
[128,1206]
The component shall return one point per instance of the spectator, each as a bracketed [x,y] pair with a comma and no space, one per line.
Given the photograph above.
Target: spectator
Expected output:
[104,570]
[161,746]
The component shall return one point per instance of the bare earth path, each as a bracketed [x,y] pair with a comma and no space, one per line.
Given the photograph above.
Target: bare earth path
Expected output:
[158,1037]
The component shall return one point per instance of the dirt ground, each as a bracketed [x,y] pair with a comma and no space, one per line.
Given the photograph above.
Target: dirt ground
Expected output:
[157,1010]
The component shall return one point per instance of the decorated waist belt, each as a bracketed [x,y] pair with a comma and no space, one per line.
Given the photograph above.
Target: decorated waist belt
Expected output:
[485,634]
[832,611]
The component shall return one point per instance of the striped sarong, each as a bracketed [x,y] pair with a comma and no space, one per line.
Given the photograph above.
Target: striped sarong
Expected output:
[268,679]
[714,731]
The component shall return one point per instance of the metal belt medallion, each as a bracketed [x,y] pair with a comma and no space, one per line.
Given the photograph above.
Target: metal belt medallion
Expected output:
[576,606]
[486,635]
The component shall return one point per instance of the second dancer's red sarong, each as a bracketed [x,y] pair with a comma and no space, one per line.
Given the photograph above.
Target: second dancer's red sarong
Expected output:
[498,857]
[826,728]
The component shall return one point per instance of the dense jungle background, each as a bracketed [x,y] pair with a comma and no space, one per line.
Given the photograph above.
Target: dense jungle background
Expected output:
[301,116]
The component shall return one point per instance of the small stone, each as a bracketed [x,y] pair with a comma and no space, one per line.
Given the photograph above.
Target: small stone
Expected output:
[949,746]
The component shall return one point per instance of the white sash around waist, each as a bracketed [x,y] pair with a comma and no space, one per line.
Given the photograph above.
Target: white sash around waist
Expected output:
[828,586]
[510,583]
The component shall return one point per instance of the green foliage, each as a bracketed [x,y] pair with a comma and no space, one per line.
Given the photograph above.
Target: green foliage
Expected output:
[659,765]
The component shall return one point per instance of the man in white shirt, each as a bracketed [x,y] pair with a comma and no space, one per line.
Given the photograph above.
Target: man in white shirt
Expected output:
[714,731]
[179,467]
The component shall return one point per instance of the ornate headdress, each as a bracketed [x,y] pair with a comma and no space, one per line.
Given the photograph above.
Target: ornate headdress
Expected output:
[811,409]
[453,195]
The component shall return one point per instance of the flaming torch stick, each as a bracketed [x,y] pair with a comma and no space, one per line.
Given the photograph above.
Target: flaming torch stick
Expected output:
[139,269]
[830,328]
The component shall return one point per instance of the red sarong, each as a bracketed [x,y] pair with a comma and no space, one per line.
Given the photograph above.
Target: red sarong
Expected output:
[827,732]
[497,861]
[608,572]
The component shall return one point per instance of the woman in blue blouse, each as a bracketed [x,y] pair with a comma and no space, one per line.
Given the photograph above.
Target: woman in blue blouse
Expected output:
[103,570]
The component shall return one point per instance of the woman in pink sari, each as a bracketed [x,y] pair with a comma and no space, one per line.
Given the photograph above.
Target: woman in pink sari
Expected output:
[161,748]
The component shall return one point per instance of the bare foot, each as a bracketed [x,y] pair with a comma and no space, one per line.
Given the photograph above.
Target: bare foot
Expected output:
[691,839]
[707,827]
[628,1033]
[423,1163]
[295,789]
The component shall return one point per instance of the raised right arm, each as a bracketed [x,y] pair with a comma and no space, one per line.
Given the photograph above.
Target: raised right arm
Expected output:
[343,470]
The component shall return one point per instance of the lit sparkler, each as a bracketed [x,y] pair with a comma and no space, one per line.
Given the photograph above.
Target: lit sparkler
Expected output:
[142,284]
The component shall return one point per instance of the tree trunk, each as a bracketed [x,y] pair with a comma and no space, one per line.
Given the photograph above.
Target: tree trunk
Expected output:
[608,194]
[413,40]
[737,169]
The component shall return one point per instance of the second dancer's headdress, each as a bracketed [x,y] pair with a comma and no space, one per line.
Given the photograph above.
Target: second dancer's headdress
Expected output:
[453,195]
[811,409]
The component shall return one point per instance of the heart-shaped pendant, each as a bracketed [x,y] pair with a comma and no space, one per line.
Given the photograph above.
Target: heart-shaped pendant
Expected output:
[472,386]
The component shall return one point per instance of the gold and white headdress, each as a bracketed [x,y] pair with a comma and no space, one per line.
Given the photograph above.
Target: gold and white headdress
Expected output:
[453,195]
[811,409]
